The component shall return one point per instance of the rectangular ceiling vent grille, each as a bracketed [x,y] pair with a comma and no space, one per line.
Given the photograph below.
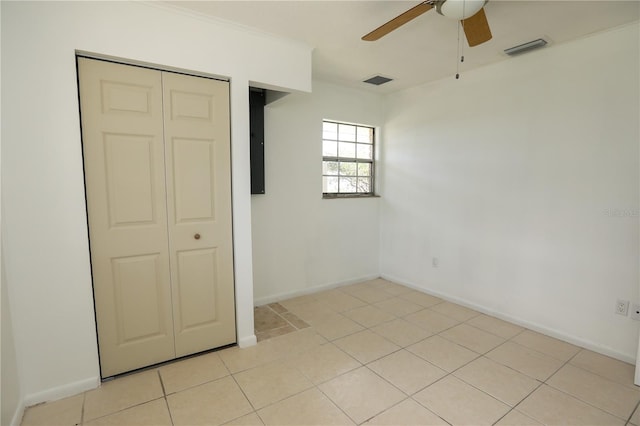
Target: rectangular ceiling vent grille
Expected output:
[378,80]
[526,47]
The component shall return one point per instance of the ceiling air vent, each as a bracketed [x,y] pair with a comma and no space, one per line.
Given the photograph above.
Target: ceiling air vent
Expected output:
[378,80]
[526,47]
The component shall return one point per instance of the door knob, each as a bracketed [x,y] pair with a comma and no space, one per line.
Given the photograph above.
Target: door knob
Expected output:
[197,236]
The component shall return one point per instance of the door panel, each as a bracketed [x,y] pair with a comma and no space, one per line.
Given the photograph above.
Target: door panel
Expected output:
[123,97]
[136,288]
[197,274]
[129,179]
[197,143]
[191,106]
[193,180]
[123,151]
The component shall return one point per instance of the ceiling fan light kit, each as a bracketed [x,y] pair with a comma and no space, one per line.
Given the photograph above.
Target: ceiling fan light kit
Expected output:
[469,12]
[459,9]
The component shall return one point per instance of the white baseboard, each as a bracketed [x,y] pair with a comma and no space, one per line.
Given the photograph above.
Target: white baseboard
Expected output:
[587,344]
[636,378]
[309,290]
[60,392]
[17,416]
[245,342]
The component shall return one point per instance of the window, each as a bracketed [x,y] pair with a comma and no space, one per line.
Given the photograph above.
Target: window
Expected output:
[347,159]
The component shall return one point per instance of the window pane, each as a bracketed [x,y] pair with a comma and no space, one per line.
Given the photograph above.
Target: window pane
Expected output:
[365,134]
[329,130]
[347,166]
[347,184]
[329,184]
[365,151]
[364,169]
[329,149]
[364,184]
[330,168]
[347,150]
[347,132]
[347,169]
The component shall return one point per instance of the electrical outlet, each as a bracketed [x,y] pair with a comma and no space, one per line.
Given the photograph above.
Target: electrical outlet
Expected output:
[622,307]
[635,312]
[435,262]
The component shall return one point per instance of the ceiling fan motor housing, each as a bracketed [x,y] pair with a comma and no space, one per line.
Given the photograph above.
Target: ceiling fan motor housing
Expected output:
[459,9]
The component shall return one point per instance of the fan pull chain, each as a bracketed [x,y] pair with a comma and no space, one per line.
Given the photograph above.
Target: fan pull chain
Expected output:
[460,53]
[462,48]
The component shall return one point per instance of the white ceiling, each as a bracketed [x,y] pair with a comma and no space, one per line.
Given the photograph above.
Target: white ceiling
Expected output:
[423,50]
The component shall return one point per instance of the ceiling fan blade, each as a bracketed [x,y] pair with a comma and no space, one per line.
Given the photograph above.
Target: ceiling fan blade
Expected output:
[398,21]
[476,28]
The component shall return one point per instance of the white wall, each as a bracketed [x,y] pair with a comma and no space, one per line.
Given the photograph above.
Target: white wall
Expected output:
[506,176]
[44,222]
[300,241]
[10,389]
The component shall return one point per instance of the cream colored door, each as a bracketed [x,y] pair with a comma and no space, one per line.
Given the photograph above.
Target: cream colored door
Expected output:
[157,169]
[197,144]
[123,150]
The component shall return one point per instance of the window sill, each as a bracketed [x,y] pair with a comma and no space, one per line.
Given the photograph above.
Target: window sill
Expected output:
[339,196]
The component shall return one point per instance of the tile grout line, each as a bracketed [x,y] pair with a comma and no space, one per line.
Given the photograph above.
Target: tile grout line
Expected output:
[164,392]
[466,347]
[84,398]
[507,366]
[317,386]
[366,303]
[290,323]
[313,386]
[567,362]
[256,332]
[632,413]
[480,355]
[287,322]
[280,316]
[489,332]
[542,382]
[511,408]
[587,403]
[411,396]
[244,394]
[366,365]
[127,408]
[626,386]
[166,402]
[164,396]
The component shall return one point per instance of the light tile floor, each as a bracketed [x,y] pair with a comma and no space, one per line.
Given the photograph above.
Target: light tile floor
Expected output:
[275,320]
[373,353]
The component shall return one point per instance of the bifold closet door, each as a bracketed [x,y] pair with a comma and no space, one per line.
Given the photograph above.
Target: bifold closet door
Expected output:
[157,173]
[198,153]
[122,128]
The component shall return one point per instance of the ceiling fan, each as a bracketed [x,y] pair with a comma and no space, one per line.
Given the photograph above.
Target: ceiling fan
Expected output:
[469,12]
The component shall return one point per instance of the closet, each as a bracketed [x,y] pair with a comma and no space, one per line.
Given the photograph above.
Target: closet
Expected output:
[156,149]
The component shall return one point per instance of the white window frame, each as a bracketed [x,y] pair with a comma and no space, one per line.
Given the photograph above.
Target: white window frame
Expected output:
[356,159]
